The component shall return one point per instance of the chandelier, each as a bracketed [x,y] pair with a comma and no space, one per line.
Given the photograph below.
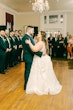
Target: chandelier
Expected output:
[40,6]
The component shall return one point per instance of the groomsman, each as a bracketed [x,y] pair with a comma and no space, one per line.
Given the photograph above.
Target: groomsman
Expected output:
[3,51]
[51,41]
[14,49]
[55,45]
[8,44]
[20,34]
[19,45]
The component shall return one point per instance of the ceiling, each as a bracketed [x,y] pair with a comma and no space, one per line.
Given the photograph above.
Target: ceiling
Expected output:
[26,5]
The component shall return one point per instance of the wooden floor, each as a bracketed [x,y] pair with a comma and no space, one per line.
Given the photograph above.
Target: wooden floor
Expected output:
[13,97]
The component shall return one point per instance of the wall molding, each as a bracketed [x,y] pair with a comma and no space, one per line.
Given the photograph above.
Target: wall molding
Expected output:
[57,11]
[7,8]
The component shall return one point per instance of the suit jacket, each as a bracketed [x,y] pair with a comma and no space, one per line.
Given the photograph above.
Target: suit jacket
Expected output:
[51,41]
[28,54]
[61,42]
[65,41]
[13,42]
[6,42]
[2,46]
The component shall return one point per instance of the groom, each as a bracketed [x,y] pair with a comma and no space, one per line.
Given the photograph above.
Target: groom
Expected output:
[27,53]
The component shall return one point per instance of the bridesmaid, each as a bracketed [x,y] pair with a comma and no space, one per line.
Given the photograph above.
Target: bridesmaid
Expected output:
[69,47]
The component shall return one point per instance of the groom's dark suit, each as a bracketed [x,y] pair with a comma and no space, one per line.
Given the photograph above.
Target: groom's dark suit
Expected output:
[28,56]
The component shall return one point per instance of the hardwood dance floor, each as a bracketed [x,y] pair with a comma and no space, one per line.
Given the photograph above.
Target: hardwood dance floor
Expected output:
[13,97]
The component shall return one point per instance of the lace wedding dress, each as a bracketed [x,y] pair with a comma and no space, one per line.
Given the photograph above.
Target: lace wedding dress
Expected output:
[42,79]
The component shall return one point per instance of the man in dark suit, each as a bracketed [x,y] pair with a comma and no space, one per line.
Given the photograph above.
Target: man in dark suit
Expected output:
[55,45]
[19,46]
[3,51]
[51,41]
[28,54]
[14,49]
[8,45]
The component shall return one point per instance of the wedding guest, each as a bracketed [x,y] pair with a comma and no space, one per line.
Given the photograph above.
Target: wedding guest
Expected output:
[69,47]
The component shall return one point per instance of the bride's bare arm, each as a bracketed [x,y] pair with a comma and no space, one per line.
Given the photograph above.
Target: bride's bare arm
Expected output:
[35,48]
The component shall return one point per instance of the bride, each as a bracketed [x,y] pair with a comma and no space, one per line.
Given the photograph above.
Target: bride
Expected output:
[42,79]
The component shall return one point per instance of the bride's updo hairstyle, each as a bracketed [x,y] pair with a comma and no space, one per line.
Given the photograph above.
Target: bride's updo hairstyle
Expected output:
[45,40]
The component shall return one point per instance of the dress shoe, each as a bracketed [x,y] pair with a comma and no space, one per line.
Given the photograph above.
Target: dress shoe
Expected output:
[2,72]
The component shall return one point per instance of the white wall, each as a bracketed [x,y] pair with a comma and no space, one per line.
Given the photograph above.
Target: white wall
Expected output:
[70,22]
[2,20]
[56,26]
[37,20]
[23,19]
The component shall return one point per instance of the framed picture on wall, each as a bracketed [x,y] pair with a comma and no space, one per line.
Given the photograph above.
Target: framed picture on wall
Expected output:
[53,18]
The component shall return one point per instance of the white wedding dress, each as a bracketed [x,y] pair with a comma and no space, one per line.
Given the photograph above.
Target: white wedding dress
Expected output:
[42,79]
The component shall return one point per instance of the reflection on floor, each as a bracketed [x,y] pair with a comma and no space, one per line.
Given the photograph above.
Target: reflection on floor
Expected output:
[13,97]
[70,63]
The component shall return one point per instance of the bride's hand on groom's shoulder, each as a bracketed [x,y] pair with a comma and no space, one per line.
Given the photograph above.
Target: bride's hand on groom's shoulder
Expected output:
[44,53]
[27,41]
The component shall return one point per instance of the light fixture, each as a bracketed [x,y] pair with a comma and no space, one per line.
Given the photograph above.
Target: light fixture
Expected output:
[40,6]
